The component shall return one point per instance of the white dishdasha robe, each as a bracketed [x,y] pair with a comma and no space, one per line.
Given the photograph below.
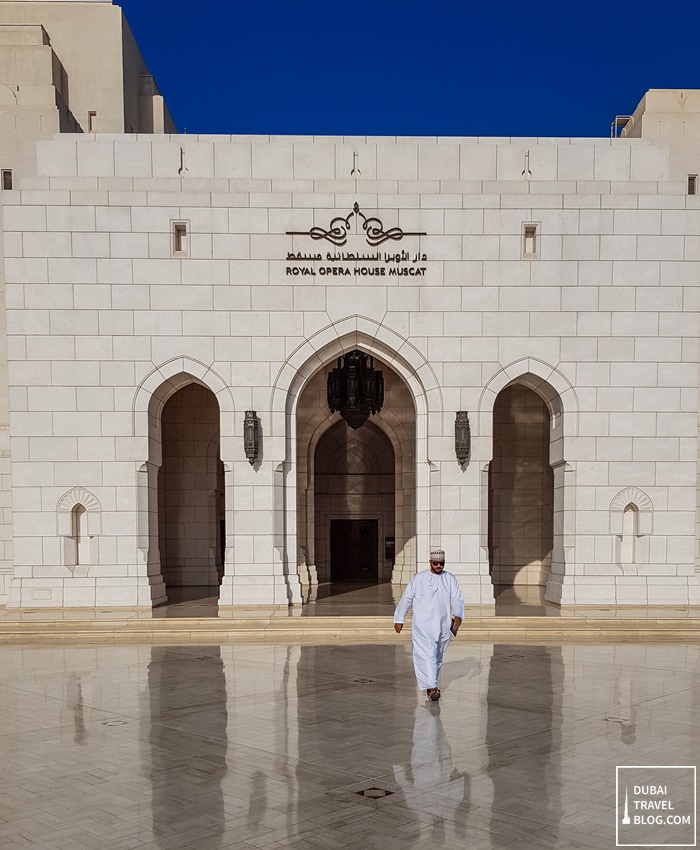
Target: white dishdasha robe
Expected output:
[435,600]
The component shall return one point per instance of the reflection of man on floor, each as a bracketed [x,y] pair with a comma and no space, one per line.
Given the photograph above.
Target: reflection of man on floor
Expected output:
[438,604]
[433,785]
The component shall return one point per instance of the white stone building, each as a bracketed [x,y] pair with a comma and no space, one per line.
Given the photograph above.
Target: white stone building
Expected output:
[158,287]
[65,67]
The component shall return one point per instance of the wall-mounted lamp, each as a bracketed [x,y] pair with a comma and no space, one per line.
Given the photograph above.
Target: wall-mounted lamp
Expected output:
[463,437]
[251,436]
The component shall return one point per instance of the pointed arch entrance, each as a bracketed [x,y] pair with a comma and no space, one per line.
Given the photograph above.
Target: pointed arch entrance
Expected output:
[356,490]
[191,508]
[561,403]
[521,491]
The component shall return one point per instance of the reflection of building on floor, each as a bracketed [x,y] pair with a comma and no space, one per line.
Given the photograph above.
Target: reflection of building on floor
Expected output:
[187,767]
[329,733]
[626,713]
[524,712]
[304,728]
[74,696]
[257,804]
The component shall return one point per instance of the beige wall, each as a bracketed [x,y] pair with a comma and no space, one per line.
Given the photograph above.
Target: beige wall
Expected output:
[101,314]
[144,107]
[59,61]
[87,38]
[670,117]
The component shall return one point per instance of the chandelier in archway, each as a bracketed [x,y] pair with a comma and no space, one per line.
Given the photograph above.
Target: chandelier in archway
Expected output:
[355,388]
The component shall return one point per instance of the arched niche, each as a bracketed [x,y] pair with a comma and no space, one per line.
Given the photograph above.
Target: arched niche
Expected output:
[180,542]
[189,512]
[79,521]
[394,429]
[631,526]
[521,490]
[561,402]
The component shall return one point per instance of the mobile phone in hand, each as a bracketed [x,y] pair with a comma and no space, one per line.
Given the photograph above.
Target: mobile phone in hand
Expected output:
[453,627]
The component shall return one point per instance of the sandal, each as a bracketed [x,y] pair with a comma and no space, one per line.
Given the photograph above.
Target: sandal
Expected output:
[434,694]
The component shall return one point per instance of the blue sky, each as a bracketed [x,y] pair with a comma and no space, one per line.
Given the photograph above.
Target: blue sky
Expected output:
[528,68]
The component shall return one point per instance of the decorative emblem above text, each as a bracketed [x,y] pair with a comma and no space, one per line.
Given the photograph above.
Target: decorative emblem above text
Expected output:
[339,229]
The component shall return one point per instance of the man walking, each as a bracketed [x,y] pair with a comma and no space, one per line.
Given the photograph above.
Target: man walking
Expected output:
[438,607]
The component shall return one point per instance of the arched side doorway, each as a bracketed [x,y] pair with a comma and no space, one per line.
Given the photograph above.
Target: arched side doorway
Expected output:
[191,495]
[354,504]
[372,474]
[521,491]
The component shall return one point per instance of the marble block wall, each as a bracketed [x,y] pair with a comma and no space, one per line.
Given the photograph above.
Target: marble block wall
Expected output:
[108,314]
[6,563]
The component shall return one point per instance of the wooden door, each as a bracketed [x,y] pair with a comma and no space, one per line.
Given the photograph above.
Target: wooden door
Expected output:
[354,550]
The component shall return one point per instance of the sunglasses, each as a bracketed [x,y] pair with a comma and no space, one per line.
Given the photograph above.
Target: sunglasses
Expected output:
[435,563]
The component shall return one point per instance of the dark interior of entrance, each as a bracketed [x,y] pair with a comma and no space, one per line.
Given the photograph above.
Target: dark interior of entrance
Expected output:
[191,495]
[521,491]
[354,550]
[354,506]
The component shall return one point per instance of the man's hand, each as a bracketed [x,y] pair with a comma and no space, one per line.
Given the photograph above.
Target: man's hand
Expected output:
[458,622]
[398,627]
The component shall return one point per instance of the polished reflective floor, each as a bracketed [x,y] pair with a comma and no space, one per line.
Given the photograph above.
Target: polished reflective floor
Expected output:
[272,746]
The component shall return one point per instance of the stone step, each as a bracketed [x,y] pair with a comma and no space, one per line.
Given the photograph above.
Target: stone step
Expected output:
[298,629]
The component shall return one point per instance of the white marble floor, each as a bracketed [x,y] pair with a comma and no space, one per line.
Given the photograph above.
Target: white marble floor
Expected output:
[269,747]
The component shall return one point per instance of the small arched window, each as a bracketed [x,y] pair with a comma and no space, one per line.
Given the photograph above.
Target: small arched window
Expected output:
[630,532]
[631,527]
[81,540]
[78,514]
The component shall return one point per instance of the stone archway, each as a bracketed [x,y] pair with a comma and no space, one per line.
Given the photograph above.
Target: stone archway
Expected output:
[521,491]
[385,448]
[317,353]
[190,495]
[562,406]
[150,402]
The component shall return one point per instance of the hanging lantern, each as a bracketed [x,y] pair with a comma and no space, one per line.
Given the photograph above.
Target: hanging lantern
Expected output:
[463,437]
[251,435]
[355,388]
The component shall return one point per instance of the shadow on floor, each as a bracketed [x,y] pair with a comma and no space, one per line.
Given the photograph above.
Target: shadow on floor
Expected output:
[348,599]
[523,601]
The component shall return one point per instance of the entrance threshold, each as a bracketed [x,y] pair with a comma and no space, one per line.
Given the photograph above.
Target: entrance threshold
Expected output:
[296,626]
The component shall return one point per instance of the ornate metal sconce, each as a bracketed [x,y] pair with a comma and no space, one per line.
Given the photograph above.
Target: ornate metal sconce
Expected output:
[463,437]
[251,436]
[355,388]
